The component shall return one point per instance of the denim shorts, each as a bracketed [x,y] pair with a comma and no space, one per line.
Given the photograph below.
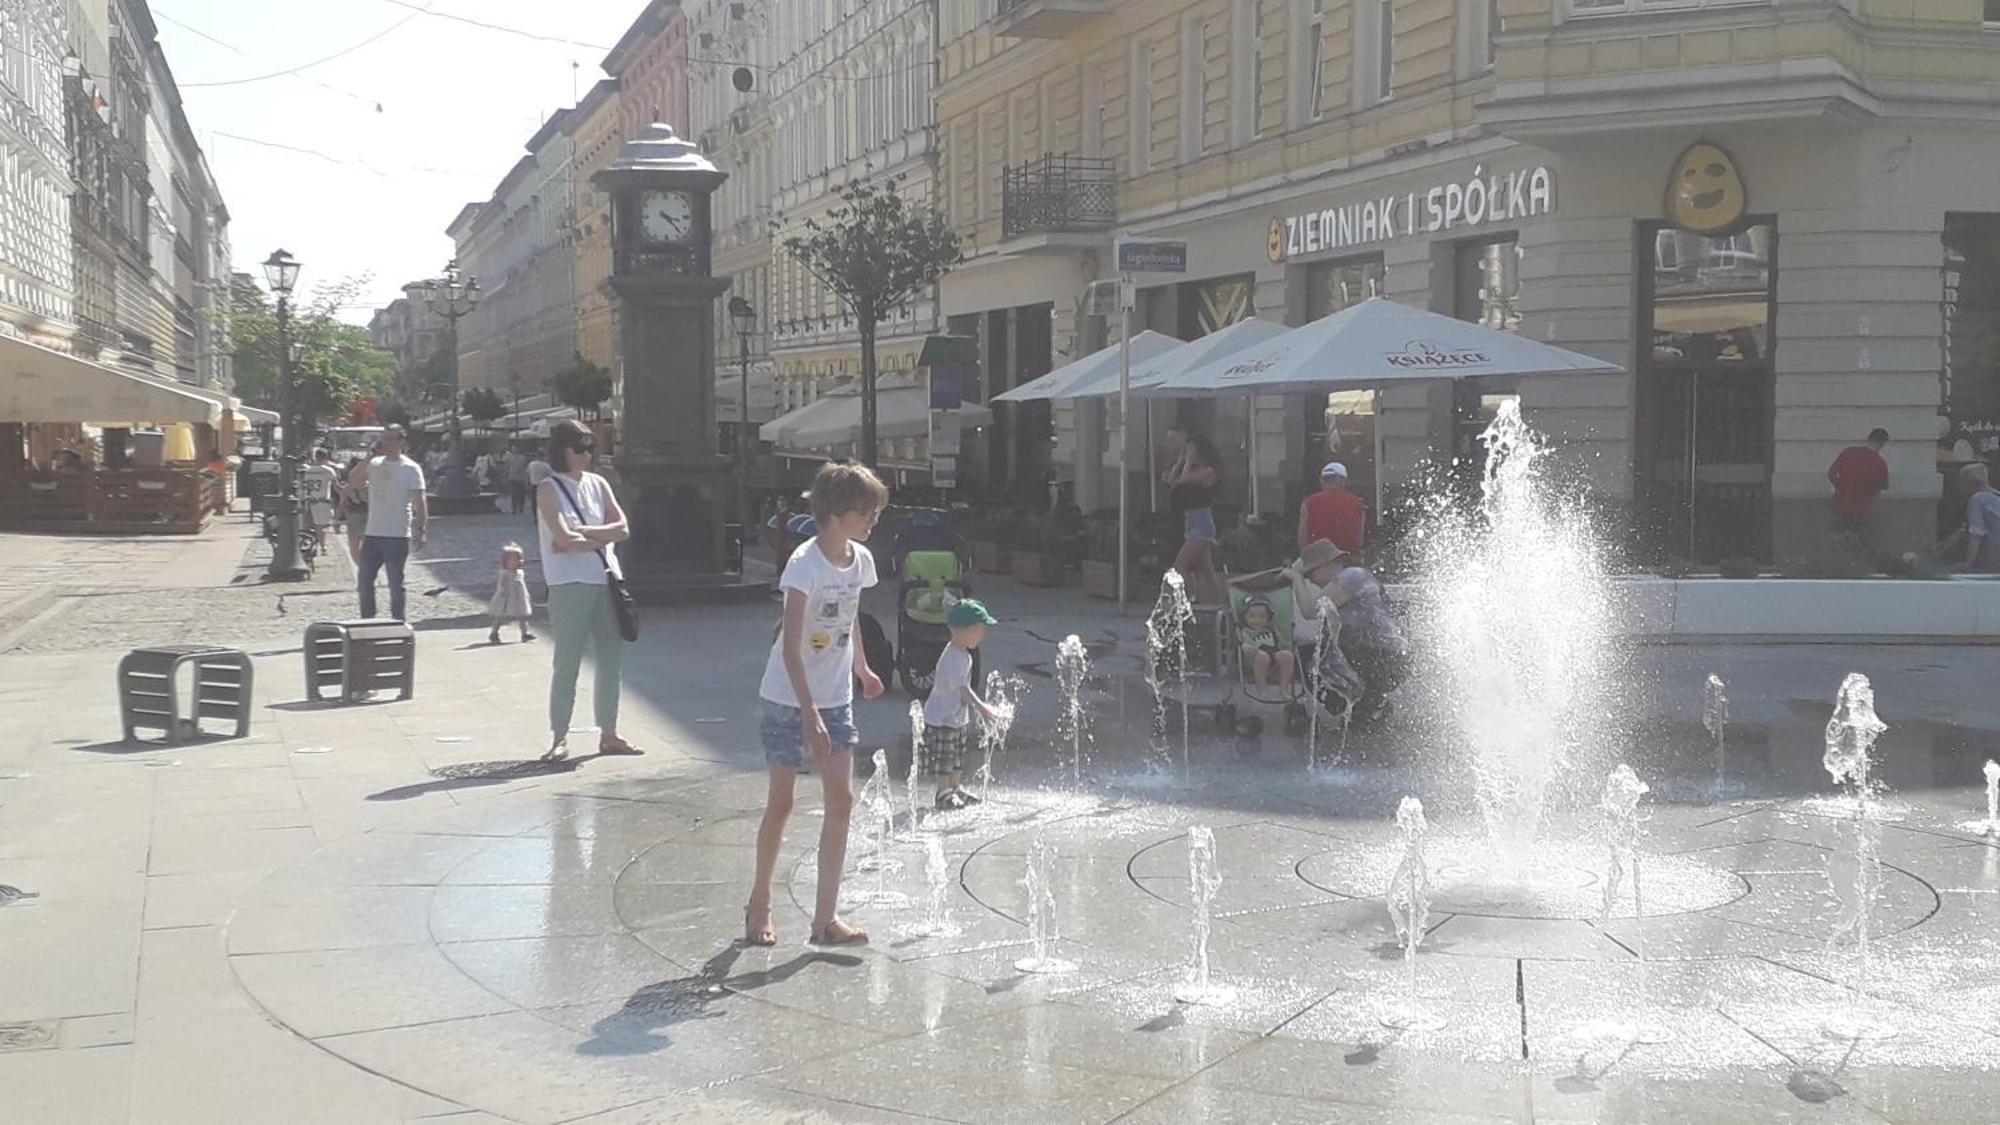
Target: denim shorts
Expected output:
[1198,525]
[783,732]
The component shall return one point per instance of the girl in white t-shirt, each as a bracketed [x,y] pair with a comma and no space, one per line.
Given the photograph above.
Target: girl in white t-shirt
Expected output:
[808,692]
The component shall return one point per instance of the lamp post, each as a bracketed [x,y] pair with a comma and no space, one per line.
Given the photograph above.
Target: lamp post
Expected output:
[281,273]
[453,298]
[744,317]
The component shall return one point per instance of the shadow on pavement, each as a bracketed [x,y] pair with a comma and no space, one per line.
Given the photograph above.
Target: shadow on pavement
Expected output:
[472,775]
[634,1029]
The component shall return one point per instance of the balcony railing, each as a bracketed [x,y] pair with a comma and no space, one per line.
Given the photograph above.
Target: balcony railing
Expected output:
[1047,19]
[1058,193]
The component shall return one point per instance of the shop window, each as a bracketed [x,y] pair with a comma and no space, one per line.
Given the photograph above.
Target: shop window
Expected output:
[1992,11]
[1970,375]
[1333,286]
[1488,283]
[1210,306]
[1709,295]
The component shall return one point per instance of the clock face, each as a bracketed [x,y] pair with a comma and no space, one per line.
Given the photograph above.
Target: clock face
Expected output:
[666,216]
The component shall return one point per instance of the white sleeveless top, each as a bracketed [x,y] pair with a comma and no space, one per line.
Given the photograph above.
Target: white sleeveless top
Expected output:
[591,494]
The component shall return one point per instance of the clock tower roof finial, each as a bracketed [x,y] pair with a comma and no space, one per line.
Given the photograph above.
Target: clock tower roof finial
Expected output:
[660,149]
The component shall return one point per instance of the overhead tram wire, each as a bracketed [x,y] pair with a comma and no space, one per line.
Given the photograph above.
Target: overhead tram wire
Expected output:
[290,71]
[329,87]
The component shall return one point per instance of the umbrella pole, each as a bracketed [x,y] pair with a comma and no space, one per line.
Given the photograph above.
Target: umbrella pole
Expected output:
[1250,420]
[1124,452]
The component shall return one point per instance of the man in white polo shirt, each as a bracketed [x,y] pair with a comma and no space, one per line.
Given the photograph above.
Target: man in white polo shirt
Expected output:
[397,515]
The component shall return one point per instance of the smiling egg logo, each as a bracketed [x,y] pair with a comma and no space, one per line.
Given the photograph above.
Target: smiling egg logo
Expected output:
[1705,193]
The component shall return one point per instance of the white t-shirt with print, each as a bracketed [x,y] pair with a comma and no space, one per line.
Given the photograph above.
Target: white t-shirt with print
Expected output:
[833,601]
[316,481]
[393,488]
[946,706]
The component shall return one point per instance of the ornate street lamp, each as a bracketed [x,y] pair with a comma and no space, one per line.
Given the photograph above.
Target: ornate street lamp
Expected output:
[744,317]
[454,297]
[281,273]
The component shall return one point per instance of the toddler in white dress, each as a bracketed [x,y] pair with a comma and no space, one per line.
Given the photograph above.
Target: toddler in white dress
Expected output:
[510,593]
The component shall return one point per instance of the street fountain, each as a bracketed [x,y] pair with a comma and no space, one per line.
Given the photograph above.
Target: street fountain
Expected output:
[936,921]
[916,759]
[1409,902]
[1327,635]
[1992,797]
[1072,669]
[1166,636]
[1856,874]
[1624,828]
[1004,694]
[1204,879]
[879,805]
[1715,717]
[1521,591]
[1042,911]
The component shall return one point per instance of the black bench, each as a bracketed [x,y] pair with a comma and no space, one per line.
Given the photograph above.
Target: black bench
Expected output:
[369,655]
[149,692]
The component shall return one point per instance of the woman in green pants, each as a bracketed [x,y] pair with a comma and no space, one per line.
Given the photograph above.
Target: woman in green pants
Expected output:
[580,524]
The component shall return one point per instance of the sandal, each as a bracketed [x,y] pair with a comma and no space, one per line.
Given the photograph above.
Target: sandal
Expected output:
[617,746]
[558,752]
[765,934]
[838,932]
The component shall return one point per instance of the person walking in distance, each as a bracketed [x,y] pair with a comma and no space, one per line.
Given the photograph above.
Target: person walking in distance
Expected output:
[398,514]
[1193,481]
[517,480]
[579,527]
[1858,475]
[316,483]
[1333,513]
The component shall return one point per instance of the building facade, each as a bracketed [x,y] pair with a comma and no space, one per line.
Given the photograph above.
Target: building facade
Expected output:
[148,254]
[732,45]
[598,133]
[37,286]
[415,334]
[850,98]
[1768,213]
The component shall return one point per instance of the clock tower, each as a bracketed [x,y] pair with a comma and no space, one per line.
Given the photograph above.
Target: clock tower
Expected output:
[675,483]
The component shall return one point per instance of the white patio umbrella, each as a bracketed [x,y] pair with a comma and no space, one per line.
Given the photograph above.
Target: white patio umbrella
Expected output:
[1094,368]
[1375,342]
[1177,359]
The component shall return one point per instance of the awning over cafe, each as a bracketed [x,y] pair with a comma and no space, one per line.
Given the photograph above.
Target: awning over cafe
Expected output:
[39,384]
[902,410]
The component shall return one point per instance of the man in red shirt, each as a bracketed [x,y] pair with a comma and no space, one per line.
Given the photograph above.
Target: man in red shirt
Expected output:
[1333,513]
[1858,476]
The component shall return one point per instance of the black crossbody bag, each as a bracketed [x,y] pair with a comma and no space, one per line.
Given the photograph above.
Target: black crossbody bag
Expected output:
[622,605]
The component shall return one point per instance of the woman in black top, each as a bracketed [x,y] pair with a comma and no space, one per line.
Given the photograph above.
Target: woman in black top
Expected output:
[1192,481]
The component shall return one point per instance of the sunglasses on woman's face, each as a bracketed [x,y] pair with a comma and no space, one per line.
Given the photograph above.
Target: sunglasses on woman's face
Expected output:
[585,447]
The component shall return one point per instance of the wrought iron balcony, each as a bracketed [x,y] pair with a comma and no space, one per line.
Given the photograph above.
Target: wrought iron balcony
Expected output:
[1047,19]
[1058,193]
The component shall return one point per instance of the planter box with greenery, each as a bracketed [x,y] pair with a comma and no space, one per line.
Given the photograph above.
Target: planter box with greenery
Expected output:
[990,541]
[1038,554]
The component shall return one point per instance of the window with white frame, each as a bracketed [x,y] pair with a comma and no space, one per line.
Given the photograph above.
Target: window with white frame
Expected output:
[1139,109]
[1244,47]
[1615,7]
[1091,143]
[1308,62]
[1194,81]
[1385,49]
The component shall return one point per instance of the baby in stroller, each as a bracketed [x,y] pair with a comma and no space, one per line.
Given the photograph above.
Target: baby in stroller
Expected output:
[1257,641]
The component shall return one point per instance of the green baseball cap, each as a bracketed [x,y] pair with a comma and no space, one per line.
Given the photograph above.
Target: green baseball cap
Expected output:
[968,613]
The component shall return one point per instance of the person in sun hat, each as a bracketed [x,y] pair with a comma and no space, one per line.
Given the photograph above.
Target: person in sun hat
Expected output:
[952,699]
[1333,513]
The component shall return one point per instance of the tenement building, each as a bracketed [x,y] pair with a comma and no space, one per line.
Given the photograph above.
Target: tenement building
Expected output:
[1771,214]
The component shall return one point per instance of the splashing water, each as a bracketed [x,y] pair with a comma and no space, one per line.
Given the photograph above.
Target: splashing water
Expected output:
[1166,639]
[1004,694]
[1992,798]
[880,807]
[1409,902]
[1715,716]
[916,759]
[1521,592]
[1204,880]
[1042,911]
[1623,830]
[1328,620]
[1072,669]
[937,884]
[1856,873]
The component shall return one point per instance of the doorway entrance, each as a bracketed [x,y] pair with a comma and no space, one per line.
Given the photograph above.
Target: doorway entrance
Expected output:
[1706,393]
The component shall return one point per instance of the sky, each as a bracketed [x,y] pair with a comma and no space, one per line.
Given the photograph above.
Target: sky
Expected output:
[402,131]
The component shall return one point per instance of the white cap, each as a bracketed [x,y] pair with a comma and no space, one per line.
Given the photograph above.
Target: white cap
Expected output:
[1333,469]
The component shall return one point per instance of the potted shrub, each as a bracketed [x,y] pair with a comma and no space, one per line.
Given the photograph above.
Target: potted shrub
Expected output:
[1037,554]
[1100,559]
[991,540]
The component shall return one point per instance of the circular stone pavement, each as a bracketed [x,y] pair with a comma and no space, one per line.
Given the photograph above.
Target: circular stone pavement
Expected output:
[574,957]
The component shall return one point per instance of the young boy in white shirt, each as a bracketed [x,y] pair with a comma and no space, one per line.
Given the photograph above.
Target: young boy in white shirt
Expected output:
[808,692]
[951,702]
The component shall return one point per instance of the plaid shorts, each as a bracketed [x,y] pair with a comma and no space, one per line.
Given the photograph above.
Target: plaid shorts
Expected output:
[944,750]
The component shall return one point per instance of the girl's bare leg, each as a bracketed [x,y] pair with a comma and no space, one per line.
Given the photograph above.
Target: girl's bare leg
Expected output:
[837,787]
[770,837]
